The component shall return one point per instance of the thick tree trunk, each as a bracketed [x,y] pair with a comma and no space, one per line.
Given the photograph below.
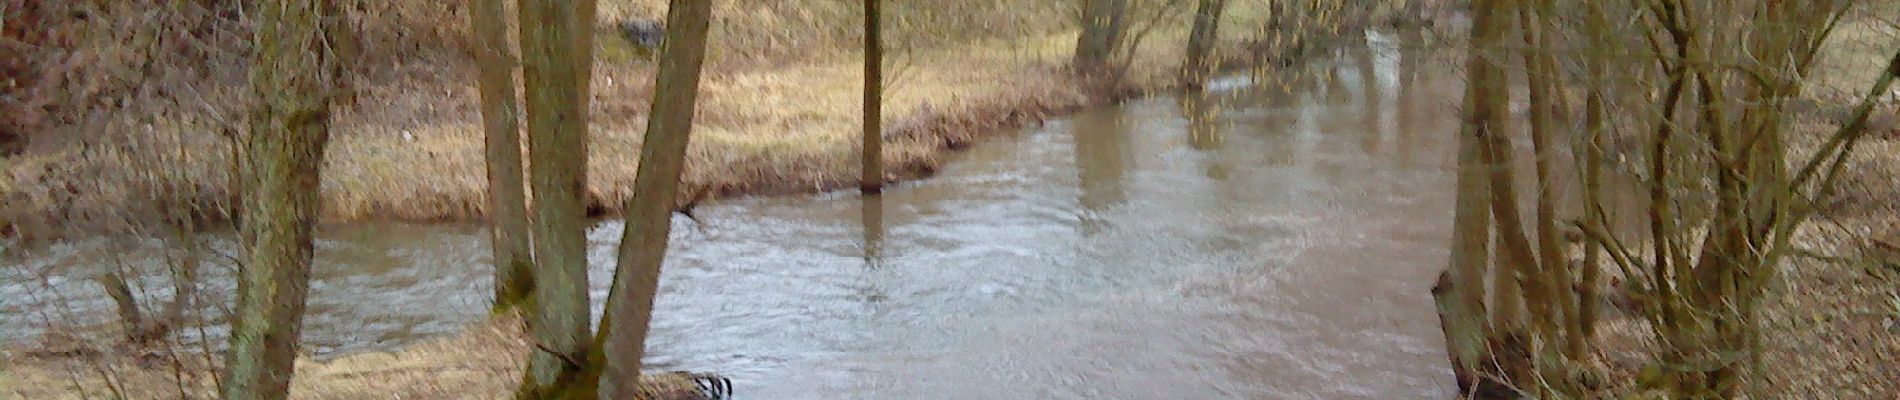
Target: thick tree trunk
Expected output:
[293,77]
[507,198]
[655,187]
[1201,40]
[555,76]
[1102,25]
[1461,293]
[872,180]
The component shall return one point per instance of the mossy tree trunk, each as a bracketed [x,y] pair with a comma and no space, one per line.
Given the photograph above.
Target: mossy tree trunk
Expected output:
[655,189]
[872,180]
[554,73]
[507,196]
[293,77]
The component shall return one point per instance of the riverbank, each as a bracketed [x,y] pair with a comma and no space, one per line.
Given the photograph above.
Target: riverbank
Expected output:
[776,115]
[408,147]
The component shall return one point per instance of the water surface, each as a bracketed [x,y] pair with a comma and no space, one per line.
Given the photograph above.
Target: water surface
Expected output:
[1271,239]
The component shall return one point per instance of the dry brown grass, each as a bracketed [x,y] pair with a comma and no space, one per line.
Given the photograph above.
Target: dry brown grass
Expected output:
[484,362]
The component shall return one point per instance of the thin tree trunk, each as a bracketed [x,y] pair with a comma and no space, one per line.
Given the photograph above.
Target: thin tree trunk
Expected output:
[1540,65]
[293,77]
[554,74]
[507,197]
[1596,126]
[655,187]
[1489,99]
[872,180]
[1201,40]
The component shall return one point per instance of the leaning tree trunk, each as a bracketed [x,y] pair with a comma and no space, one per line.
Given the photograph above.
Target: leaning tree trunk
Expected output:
[655,187]
[293,78]
[554,74]
[1201,39]
[872,180]
[507,198]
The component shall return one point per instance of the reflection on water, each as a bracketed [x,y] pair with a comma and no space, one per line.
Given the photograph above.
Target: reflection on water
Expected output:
[1244,243]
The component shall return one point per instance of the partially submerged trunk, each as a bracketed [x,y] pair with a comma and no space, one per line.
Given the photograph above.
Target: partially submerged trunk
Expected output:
[872,179]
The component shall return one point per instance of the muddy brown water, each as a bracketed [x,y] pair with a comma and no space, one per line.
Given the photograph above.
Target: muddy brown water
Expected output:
[1263,240]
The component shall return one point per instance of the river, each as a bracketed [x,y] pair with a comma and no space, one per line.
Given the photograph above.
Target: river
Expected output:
[1272,239]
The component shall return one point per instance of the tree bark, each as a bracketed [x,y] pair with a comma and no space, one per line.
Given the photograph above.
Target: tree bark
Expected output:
[507,196]
[872,180]
[655,187]
[1555,278]
[1102,25]
[1461,293]
[553,34]
[293,77]
[1596,126]
[1201,40]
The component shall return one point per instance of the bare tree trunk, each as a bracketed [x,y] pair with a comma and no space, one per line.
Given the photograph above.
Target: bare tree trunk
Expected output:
[1596,126]
[293,77]
[655,187]
[1554,281]
[1489,99]
[1102,25]
[872,180]
[1460,292]
[507,198]
[1201,41]
[555,76]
